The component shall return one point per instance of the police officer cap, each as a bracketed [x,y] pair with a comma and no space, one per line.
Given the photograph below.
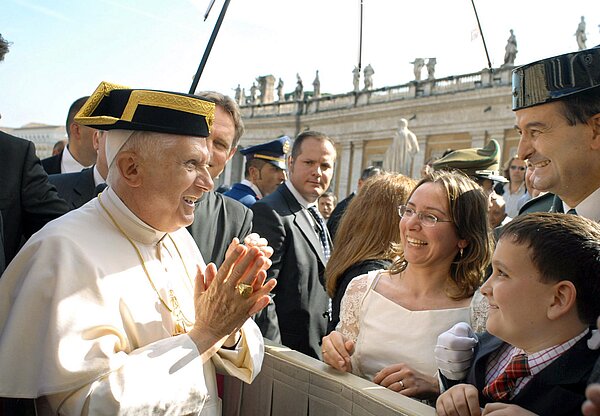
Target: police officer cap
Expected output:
[475,162]
[554,78]
[273,152]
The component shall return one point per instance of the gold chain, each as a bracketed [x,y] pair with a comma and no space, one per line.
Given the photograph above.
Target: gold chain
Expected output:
[181,318]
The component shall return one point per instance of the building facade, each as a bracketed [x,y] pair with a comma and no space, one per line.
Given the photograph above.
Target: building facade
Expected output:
[447,113]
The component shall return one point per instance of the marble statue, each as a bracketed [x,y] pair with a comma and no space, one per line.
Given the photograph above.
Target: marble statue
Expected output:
[299,91]
[280,94]
[401,153]
[431,68]
[580,34]
[317,86]
[253,94]
[368,74]
[356,78]
[418,63]
[511,50]
[238,95]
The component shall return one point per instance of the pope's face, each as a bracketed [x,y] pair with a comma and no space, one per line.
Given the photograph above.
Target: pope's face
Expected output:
[174,183]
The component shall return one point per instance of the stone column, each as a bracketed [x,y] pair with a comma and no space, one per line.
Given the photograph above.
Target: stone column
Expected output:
[357,157]
[344,172]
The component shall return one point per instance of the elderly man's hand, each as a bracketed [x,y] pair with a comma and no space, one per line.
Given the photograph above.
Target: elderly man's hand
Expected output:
[220,308]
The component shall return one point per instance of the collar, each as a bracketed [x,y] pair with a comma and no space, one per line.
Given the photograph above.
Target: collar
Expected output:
[68,163]
[589,207]
[251,185]
[299,198]
[134,227]
[98,179]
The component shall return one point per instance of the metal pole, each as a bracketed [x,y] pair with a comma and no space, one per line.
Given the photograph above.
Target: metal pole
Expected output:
[360,38]
[211,41]
[482,38]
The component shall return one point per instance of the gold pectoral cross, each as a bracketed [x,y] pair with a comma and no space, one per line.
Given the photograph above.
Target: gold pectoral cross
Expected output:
[180,321]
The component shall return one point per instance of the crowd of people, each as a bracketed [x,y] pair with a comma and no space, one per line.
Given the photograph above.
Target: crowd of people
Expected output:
[471,291]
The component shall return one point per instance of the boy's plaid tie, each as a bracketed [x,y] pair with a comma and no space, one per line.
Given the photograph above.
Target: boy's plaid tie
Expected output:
[500,388]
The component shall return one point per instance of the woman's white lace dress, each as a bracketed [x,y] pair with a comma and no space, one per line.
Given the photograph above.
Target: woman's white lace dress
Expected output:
[387,333]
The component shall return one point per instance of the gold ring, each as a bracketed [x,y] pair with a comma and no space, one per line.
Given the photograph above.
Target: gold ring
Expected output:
[244,290]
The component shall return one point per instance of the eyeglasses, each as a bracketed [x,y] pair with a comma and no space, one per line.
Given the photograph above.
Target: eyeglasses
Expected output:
[427,219]
[521,168]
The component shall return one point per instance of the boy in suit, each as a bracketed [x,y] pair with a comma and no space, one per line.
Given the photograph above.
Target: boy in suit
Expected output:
[543,295]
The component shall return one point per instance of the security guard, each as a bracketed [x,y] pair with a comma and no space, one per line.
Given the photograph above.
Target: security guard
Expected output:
[265,171]
[481,165]
[557,108]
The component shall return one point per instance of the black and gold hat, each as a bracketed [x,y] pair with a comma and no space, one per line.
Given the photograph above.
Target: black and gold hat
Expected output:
[115,107]
[556,77]
[273,152]
[478,163]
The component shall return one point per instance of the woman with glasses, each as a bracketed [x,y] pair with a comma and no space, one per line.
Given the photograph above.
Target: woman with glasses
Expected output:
[514,189]
[367,235]
[390,320]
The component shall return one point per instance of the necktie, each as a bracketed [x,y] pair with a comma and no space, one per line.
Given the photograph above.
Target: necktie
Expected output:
[572,211]
[322,231]
[500,388]
[101,187]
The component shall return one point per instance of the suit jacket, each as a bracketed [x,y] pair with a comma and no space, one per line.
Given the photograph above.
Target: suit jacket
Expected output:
[52,164]
[242,193]
[336,216]
[217,220]
[301,302]
[27,200]
[558,389]
[76,188]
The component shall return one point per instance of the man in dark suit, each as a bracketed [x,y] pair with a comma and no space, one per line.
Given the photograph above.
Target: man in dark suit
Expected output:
[79,152]
[218,219]
[27,200]
[543,297]
[340,208]
[557,108]
[264,171]
[289,220]
[77,188]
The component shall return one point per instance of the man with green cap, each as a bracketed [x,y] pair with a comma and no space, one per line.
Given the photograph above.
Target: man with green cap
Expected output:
[557,108]
[480,164]
[111,309]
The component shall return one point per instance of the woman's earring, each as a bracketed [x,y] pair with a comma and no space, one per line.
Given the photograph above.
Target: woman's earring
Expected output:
[461,252]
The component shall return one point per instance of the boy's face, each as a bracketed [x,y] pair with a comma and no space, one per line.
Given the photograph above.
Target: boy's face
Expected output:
[518,299]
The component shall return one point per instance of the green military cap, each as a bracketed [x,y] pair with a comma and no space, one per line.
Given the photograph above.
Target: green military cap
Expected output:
[115,107]
[475,162]
[553,78]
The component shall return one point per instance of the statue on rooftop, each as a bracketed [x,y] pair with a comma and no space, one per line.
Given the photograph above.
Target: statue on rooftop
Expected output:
[368,73]
[431,68]
[317,86]
[356,78]
[280,94]
[511,50]
[418,63]
[580,35]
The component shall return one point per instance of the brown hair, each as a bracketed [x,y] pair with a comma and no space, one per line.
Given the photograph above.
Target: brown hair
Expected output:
[469,213]
[562,247]
[370,226]
[231,107]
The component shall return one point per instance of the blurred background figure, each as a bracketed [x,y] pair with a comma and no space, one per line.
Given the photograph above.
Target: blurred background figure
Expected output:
[369,234]
[59,147]
[327,203]
[515,188]
[497,211]
[340,208]
[79,152]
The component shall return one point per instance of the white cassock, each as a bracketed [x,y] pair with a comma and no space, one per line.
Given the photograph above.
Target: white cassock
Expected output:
[82,328]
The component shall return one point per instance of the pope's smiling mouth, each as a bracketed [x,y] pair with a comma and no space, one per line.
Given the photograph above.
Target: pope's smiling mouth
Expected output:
[190,199]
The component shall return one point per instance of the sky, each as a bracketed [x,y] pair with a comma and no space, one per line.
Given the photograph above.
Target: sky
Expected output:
[62,49]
